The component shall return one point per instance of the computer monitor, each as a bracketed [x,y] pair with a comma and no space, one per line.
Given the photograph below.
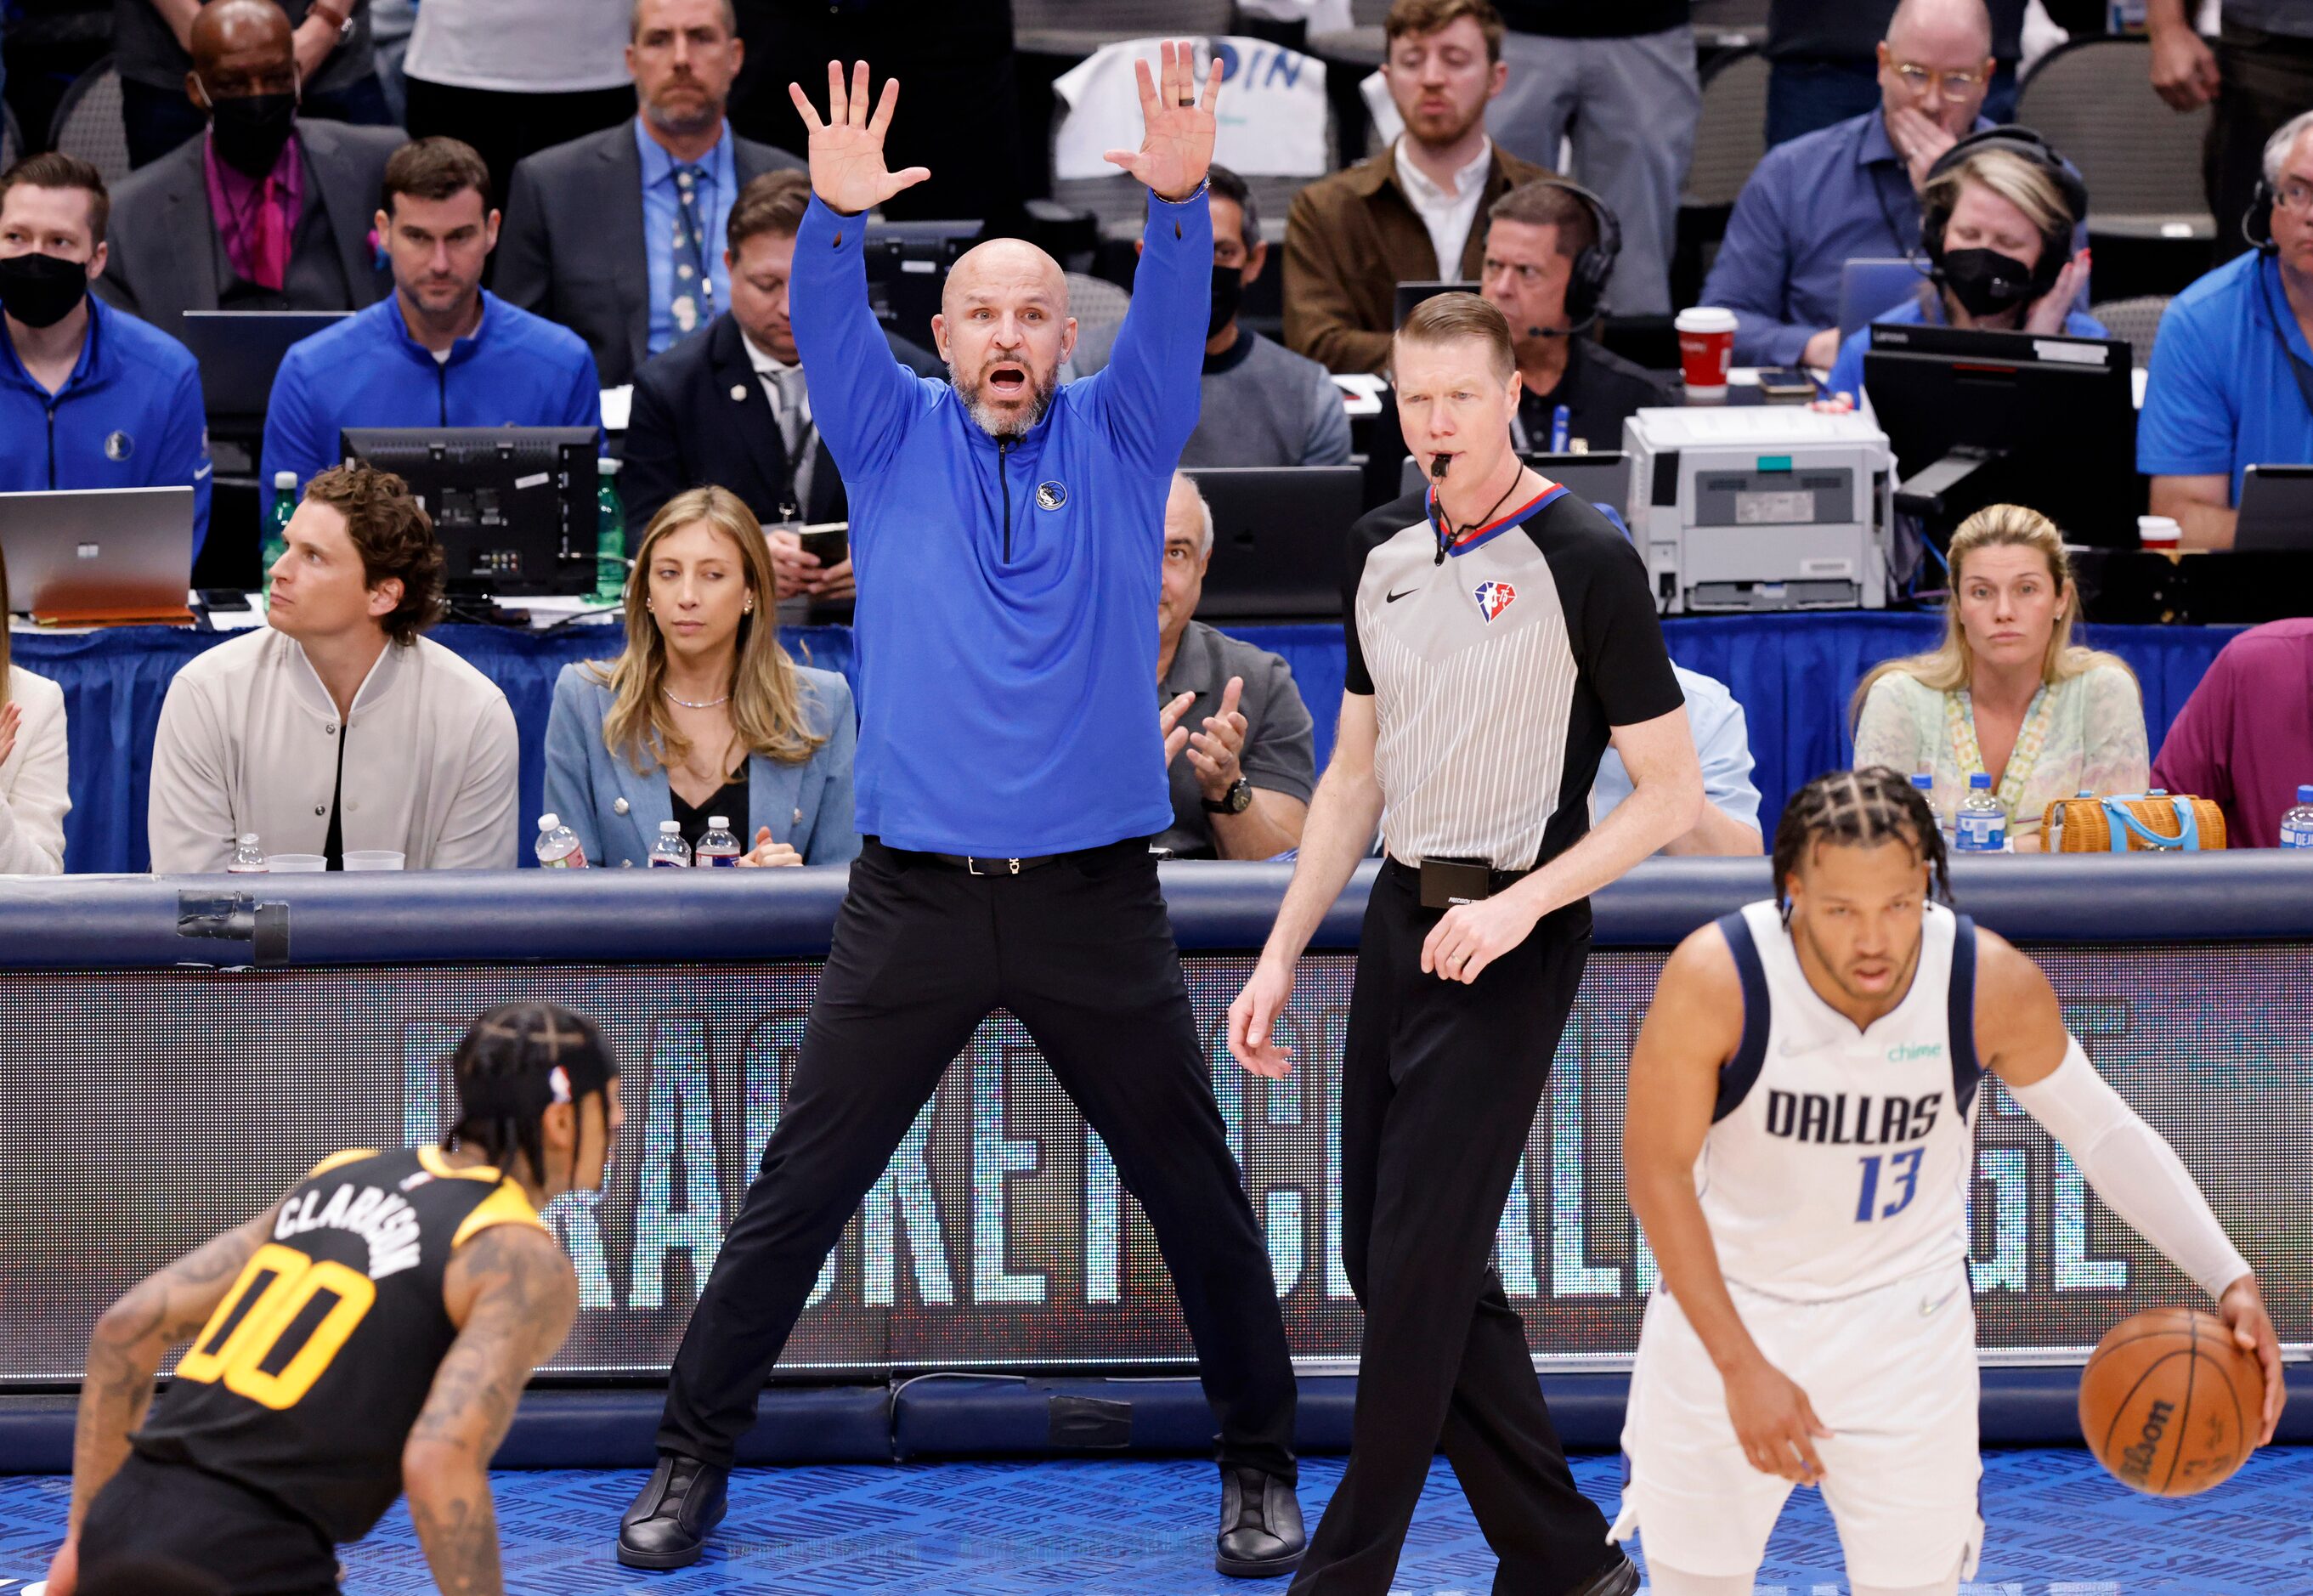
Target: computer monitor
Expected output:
[95,555]
[1410,295]
[1871,287]
[1991,417]
[2276,508]
[240,354]
[1279,540]
[908,265]
[514,507]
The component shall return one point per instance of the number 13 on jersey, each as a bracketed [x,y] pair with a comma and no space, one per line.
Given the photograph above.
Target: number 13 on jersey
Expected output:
[1903,1170]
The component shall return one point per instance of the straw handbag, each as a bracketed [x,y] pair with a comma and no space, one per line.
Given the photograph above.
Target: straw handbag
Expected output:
[2159,821]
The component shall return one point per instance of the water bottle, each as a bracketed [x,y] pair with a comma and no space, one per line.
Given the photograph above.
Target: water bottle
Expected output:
[670,851]
[610,536]
[718,848]
[248,858]
[558,848]
[277,526]
[1980,825]
[2297,826]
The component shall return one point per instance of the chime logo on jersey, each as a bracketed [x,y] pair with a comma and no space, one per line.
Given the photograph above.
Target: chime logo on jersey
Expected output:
[1493,598]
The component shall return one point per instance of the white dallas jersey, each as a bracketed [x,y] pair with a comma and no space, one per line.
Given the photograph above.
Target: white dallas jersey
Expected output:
[1841,1160]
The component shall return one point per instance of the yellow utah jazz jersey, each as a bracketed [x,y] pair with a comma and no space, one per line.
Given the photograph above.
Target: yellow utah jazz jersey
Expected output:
[305,1383]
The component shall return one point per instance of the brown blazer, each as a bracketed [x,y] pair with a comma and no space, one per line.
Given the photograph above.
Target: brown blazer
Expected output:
[1351,239]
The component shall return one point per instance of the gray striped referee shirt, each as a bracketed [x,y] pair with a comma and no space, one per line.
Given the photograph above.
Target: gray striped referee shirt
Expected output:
[1498,674]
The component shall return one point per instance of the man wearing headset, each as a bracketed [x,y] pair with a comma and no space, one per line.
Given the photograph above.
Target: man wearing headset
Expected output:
[2231,383]
[1997,214]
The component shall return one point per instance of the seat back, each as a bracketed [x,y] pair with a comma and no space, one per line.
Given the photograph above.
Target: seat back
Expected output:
[88,122]
[2093,100]
[2136,320]
[1731,134]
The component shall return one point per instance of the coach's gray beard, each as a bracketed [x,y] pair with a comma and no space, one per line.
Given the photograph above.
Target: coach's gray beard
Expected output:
[1040,400]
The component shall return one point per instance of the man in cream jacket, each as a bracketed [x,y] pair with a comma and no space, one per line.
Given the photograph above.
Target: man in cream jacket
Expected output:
[338,728]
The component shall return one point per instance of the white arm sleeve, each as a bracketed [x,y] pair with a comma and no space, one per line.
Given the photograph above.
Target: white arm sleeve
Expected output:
[2136,1172]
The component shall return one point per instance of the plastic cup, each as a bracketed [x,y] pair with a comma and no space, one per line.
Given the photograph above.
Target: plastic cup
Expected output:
[295,864]
[2158,531]
[1706,349]
[375,858]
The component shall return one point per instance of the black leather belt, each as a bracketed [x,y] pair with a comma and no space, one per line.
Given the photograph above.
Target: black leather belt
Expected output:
[972,866]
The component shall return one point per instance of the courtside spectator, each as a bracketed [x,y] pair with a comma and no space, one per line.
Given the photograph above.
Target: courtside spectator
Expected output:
[152,50]
[1618,80]
[441,351]
[266,211]
[2258,73]
[1535,236]
[90,396]
[2006,692]
[2231,383]
[1263,404]
[2244,740]
[1238,741]
[703,714]
[35,789]
[1997,226]
[1850,191]
[614,235]
[334,727]
[513,77]
[732,408]
[1411,213]
[1730,821]
[1824,68]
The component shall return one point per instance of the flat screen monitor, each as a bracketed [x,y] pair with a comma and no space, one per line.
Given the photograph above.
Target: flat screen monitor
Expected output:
[2276,508]
[908,265]
[240,354]
[1991,417]
[1278,540]
[514,507]
[1410,295]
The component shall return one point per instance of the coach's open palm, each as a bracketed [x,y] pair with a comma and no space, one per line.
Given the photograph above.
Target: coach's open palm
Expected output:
[847,150]
[1176,145]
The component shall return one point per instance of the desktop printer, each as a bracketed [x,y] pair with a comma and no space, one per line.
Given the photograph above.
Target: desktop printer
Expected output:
[1761,507]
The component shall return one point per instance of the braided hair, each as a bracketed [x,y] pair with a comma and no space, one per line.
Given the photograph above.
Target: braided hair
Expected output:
[1866,808]
[514,1061]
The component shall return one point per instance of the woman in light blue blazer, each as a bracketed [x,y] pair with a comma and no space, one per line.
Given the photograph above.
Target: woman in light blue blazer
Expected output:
[704,714]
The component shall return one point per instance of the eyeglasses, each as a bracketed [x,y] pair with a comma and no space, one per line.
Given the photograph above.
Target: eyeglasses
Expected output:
[2295,195]
[1956,86]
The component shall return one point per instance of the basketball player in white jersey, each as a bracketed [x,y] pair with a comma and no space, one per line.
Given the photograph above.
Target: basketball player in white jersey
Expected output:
[1800,1149]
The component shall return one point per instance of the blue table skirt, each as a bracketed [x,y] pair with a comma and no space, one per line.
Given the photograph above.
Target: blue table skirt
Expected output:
[1793,675]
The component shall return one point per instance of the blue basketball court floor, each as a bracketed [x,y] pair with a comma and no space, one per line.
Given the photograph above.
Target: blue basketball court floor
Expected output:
[2058,1527]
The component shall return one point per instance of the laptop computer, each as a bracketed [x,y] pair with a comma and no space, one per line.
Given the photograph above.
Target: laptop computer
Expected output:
[1870,288]
[1602,477]
[1410,295]
[1279,540]
[99,556]
[2276,508]
[240,354]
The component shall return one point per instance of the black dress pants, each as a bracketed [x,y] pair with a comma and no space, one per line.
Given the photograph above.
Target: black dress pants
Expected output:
[1081,951]
[1440,1085]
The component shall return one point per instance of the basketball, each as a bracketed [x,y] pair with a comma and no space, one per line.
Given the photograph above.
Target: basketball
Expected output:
[2170,1404]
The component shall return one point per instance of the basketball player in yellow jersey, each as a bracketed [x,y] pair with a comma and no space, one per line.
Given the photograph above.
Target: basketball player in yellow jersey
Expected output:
[370,1332]
[1799,1148]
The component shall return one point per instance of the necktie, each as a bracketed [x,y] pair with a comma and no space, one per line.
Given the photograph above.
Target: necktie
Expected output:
[789,383]
[693,288]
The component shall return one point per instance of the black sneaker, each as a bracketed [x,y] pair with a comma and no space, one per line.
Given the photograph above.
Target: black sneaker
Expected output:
[667,1526]
[1260,1535]
[1618,1578]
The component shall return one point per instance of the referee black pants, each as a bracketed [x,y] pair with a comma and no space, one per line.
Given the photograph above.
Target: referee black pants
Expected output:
[1440,1085]
[1081,951]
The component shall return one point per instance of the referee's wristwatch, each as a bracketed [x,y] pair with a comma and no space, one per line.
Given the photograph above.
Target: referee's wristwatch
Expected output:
[1236,800]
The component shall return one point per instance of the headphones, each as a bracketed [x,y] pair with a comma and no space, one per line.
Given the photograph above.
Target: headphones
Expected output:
[2055,247]
[2256,220]
[1586,287]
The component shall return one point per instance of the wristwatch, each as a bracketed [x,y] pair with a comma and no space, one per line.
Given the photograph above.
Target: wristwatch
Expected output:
[1236,800]
[344,21]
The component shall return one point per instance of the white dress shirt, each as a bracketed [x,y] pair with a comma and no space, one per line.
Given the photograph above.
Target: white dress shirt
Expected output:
[248,742]
[768,369]
[1447,215]
[34,795]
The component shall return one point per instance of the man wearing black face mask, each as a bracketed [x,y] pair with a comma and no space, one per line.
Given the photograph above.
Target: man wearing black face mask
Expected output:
[89,397]
[269,211]
[1263,404]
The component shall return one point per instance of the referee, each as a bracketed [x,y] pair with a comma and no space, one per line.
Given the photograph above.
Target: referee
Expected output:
[1495,648]
[1008,537]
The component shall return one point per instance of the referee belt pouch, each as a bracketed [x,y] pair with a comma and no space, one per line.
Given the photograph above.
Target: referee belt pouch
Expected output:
[2154,822]
[1445,882]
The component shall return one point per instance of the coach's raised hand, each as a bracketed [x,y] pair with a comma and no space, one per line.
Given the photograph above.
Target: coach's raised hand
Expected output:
[847,150]
[1176,145]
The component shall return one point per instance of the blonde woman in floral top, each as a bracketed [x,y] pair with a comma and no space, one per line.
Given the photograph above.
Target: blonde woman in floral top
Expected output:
[2006,692]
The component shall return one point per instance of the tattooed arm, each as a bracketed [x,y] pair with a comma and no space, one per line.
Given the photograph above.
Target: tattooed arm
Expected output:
[513,1295]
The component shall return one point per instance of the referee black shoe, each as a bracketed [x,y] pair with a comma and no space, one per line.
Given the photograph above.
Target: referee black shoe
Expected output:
[1618,1578]
[1260,1535]
[667,1526]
